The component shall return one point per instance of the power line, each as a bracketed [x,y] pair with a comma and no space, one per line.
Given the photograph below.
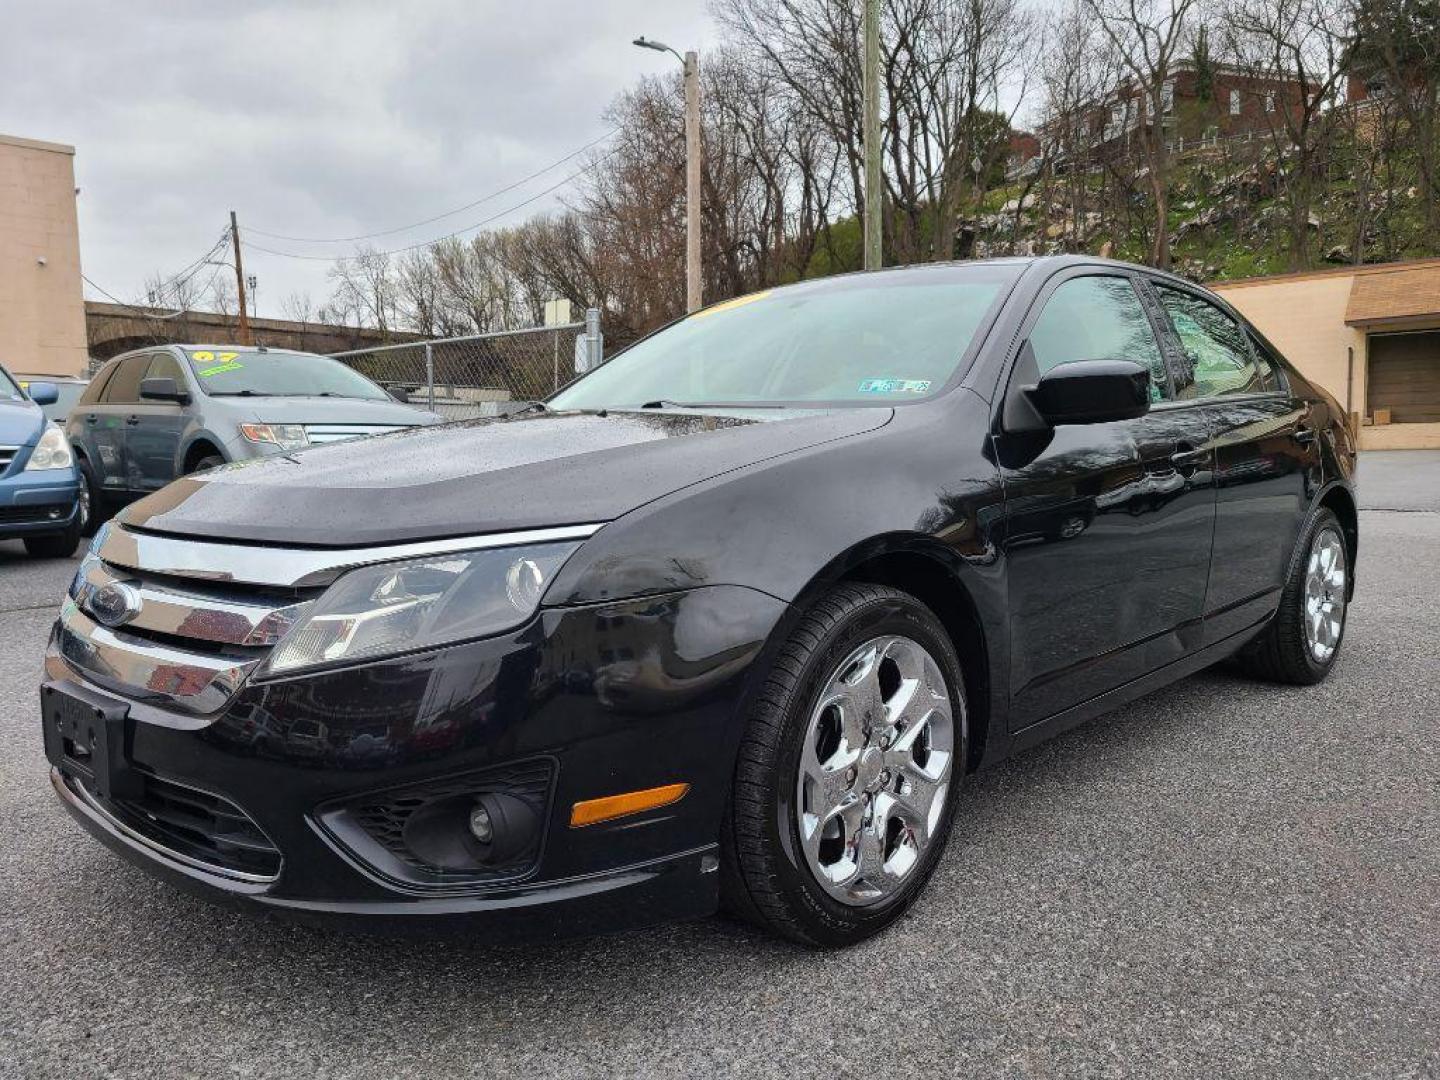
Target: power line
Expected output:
[431,243]
[171,284]
[431,220]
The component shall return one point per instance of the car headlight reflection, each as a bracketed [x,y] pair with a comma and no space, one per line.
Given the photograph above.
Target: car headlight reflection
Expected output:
[401,607]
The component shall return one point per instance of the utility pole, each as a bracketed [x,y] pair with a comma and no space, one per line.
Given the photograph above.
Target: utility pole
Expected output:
[693,287]
[691,60]
[240,282]
[870,134]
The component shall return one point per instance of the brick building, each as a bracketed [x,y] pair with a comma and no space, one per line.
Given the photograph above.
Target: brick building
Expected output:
[1238,103]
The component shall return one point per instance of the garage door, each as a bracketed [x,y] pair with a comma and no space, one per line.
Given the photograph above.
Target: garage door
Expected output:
[1405,376]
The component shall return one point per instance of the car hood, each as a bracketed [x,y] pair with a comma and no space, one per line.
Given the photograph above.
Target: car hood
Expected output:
[308,409]
[482,476]
[21,423]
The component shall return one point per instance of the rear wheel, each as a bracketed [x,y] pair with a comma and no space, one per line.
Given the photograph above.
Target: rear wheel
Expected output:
[846,780]
[210,461]
[1301,642]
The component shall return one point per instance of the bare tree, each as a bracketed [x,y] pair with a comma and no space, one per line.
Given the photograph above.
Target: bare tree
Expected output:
[1397,43]
[1147,36]
[1304,45]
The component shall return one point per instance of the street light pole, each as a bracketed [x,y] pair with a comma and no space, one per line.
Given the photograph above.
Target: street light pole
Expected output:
[691,61]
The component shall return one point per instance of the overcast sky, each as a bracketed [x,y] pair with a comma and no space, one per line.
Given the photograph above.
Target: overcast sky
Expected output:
[313,119]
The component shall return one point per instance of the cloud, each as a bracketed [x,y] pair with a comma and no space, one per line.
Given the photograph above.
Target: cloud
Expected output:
[313,119]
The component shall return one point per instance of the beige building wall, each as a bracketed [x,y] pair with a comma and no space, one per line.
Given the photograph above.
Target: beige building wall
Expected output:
[42,307]
[1304,316]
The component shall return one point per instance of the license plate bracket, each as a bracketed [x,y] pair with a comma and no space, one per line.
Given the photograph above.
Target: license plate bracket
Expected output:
[87,736]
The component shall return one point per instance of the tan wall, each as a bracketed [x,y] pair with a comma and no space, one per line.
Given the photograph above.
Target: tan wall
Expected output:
[1305,318]
[42,308]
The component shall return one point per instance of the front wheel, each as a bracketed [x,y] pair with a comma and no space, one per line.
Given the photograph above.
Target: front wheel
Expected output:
[846,779]
[1301,642]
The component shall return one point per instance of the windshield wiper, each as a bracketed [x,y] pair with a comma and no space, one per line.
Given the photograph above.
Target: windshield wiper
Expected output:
[664,403]
[529,406]
[241,393]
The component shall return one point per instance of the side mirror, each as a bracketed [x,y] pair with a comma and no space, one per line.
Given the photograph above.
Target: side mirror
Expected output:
[43,393]
[162,388]
[1084,392]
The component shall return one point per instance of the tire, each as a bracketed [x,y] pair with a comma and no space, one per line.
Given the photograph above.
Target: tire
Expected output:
[899,795]
[99,509]
[210,461]
[1290,650]
[56,545]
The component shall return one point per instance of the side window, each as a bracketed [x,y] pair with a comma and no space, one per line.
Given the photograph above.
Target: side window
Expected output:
[1098,318]
[1268,362]
[1221,361]
[124,386]
[163,366]
[96,388]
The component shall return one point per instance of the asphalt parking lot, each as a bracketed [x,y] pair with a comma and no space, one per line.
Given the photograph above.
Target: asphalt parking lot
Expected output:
[1223,879]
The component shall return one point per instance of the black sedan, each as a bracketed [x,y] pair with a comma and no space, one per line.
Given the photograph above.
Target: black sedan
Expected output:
[726,622]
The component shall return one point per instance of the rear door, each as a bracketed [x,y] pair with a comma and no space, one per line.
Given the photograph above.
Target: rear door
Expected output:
[154,429]
[1265,444]
[1108,526]
[105,423]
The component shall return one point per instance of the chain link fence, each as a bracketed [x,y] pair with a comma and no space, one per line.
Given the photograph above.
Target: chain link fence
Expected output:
[482,374]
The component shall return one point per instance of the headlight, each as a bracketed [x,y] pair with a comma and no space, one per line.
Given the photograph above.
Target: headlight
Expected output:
[404,606]
[51,452]
[285,436]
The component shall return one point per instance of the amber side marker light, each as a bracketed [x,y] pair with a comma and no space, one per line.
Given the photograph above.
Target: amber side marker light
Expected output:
[594,811]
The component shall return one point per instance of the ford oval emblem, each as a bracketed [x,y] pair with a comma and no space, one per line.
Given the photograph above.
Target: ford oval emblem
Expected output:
[115,604]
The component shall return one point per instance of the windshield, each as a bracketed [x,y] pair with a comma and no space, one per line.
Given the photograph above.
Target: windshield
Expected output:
[9,391]
[858,339]
[222,372]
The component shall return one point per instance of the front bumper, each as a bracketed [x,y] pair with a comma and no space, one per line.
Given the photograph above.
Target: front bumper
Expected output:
[38,503]
[612,698]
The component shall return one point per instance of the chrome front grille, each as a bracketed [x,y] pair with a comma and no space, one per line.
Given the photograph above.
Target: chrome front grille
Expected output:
[328,433]
[183,623]
[8,454]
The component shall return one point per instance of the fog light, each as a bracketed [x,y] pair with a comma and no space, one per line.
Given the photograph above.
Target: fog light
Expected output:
[490,828]
[481,827]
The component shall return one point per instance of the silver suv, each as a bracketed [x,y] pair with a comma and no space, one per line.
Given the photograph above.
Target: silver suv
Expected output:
[152,415]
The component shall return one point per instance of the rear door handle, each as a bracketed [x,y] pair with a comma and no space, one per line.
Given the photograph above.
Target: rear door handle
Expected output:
[1187,456]
[91,418]
[1304,436]
[132,420]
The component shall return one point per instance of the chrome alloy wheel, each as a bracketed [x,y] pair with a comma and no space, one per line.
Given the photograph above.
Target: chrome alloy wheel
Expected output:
[1325,594]
[875,770]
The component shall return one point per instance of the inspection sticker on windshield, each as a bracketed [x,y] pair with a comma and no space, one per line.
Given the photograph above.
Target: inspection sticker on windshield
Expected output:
[895,386]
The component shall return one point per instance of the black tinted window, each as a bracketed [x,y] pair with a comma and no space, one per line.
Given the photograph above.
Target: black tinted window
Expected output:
[1098,318]
[124,385]
[97,385]
[1219,354]
[164,366]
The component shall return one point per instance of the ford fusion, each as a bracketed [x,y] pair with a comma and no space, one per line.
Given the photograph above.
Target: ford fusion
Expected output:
[725,623]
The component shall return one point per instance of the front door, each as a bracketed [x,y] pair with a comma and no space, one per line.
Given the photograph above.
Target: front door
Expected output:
[1108,526]
[154,430]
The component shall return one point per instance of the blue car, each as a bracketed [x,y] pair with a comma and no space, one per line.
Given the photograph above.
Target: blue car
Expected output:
[41,498]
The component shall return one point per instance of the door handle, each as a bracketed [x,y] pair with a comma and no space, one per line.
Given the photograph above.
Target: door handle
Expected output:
[1187,456]
[1304,436]
[132,420]
[91,418]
